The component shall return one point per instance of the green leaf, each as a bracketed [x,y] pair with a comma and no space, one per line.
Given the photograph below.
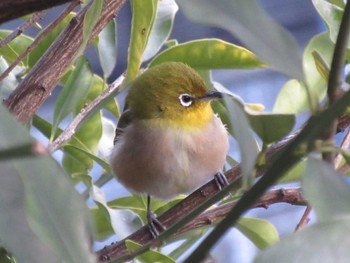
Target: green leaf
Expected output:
[75,161]
[316,83]
[261,232]
[239,124]
[45,128]
[97,86]
[134,203]
[10,83]
[10,135]
[143,16]
[162,27]
[294,174]
[88,133]
[321,243]
[73,94]
[102,224]
[326,191]
[329,195]
[52,201]
[331,15]
[17,234]
[339,3]
[293,98]
[38,52]
[42,217]
[150,255]
[90,19]
[102,163]
[171,43]
[246,20]
[210,54]
[138,204]
[321,65]
[271,127]
[107,48]
[123,221]
[17,46]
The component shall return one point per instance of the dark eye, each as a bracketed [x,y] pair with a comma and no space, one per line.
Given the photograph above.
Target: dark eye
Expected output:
[186,100]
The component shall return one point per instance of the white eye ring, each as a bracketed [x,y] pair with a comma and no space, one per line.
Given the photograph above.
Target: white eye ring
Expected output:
[186,100]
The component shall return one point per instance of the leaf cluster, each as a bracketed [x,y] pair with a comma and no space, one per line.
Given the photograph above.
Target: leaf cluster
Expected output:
[49,220]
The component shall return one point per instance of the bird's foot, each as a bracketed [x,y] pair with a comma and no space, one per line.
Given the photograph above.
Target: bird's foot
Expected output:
[220,180]
[154,224]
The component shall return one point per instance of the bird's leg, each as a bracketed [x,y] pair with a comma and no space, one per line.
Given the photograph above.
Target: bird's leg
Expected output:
[153,222]
[220,180]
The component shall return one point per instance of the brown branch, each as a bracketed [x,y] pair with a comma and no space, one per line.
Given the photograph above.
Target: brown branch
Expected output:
[142,236]
[11,9]
[45,75]
[304,219]
[34,18]
[39,38]
[291,196]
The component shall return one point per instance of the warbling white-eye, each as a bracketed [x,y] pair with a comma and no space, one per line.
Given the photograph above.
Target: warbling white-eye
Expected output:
[168,140]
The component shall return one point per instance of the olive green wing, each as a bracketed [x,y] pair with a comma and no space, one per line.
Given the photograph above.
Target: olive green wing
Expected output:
[124,120]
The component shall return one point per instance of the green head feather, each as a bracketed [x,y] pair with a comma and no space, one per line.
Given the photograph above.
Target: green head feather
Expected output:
[170,94]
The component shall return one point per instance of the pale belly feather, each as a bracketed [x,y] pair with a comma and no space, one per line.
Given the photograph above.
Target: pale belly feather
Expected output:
[165,162]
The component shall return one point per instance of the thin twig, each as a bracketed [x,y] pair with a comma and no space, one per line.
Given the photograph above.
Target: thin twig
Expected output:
[304,219]
[39,38]
[33,19]
[84,112]
[293,196]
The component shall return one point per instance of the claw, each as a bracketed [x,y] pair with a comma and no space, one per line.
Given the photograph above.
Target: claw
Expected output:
[220,180]
[153,222]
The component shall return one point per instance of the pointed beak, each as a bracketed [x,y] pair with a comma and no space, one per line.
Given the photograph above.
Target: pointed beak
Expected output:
[212,94]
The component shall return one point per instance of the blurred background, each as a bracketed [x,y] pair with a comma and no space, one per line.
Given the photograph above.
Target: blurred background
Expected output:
[254,86]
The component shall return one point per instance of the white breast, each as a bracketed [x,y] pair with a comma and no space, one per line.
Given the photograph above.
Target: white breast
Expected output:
[165,162]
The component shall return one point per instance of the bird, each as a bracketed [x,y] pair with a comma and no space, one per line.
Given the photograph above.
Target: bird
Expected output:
[168,140]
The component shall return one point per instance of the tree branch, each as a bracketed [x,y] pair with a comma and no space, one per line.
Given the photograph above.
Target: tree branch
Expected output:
[45,75]
[11,9]
[35,18]
[304,219]
[292,196]
[39,38]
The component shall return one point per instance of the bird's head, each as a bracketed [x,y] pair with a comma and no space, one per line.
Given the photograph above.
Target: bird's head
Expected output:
[173,94]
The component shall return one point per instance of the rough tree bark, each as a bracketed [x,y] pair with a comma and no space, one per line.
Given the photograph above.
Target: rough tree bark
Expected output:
[44,76]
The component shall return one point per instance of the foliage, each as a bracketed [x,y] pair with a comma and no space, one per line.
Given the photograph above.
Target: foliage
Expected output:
[49,221]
